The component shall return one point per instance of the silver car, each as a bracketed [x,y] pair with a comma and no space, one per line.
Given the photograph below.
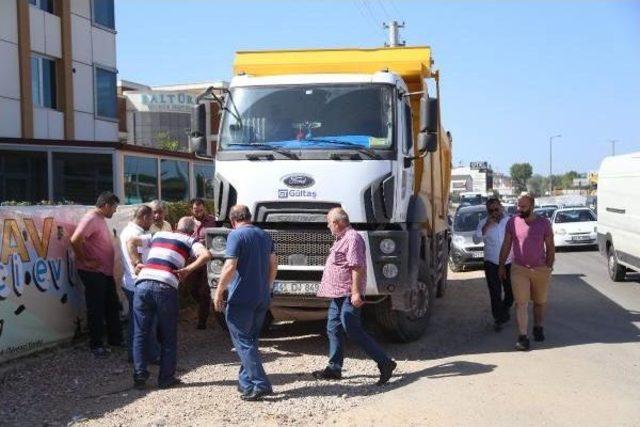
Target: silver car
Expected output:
[465,253]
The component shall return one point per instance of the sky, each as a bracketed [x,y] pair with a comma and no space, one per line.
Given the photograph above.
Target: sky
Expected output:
[513,73]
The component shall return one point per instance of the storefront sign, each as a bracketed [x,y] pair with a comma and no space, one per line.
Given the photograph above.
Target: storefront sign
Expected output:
[161,101]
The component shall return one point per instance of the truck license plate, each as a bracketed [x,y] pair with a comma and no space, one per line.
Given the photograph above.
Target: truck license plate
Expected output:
[295,288]
[478,254]
[581,238]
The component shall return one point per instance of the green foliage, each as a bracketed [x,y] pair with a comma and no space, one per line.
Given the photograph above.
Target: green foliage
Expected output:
[520,174]
[176,210]
[537,185]
[166,142]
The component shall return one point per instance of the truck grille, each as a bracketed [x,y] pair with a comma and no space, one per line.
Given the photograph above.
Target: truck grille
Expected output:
[302,247]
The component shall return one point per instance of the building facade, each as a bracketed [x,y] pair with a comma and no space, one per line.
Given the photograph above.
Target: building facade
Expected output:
[59,115]
[481,176]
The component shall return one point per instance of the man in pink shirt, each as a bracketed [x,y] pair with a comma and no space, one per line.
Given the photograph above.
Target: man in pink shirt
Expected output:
[531,238]
[344,280]
[94,251]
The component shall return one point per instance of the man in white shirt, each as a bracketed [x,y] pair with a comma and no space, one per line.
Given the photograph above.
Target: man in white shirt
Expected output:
[491,230]
[142,220]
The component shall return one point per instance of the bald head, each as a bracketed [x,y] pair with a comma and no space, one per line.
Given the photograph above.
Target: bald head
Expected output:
[240,213]
[186,225]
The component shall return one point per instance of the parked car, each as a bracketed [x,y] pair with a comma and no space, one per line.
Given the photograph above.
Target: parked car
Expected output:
[619,214]
[510,209]
[546,212]
[574,227]
[465,253]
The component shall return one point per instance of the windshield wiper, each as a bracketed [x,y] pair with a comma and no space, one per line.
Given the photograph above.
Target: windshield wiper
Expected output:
[371,153]
[263,146]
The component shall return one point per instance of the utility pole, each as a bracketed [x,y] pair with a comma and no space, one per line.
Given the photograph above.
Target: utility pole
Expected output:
[394,34]
[551,163]
[613,146]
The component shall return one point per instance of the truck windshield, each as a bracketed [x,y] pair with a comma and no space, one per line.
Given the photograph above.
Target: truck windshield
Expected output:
[315,117]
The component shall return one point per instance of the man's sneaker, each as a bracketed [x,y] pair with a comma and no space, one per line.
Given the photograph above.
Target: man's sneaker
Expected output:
[327,374]
[538,333]
[173,382]
[386,371]
[100,353]
[140,381]
[523,343]
[255,395]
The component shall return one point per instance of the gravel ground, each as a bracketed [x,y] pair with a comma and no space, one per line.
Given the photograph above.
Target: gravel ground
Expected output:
[68,386]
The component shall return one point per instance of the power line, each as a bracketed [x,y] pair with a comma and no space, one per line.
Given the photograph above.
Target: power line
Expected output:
[371,14]
[393,5]
[364,15]
[384,10]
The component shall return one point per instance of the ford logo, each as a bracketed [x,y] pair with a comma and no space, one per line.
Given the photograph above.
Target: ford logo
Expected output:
[298,180]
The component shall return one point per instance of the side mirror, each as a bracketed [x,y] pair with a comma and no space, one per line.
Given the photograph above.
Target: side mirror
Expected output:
[427,142]
[428,114]
[198,135]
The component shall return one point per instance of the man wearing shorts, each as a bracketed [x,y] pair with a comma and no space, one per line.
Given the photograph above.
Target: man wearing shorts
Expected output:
[531,239]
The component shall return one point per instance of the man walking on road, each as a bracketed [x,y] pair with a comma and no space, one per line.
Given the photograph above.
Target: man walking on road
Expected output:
[156,295]
[142,220]
[531,239]
[94,251]
[344,281]
[491,230]
[250,253]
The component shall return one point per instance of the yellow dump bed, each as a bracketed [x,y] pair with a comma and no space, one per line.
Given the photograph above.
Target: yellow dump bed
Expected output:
[413,64]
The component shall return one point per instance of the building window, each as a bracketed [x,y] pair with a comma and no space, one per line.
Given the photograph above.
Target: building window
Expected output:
[163,130]
[43,82]
[106,94]
[80,177]
[174,180]
[103,13]
[140,179]
[204,180]
[23,176]
[46,5]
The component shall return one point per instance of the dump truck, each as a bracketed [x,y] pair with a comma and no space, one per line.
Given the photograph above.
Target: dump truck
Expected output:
[304,131]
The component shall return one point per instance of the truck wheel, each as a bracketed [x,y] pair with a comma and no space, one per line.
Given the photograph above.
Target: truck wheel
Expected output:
[406,326]
[617,272]
[456,268]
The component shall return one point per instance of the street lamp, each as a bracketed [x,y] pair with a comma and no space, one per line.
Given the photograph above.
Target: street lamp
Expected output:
[613,146]
[551,138]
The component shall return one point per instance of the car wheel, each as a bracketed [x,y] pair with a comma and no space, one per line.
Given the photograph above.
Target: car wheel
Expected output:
[454,267]
[617,272]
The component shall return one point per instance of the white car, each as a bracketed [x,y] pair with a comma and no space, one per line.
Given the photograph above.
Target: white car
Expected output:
[574,227]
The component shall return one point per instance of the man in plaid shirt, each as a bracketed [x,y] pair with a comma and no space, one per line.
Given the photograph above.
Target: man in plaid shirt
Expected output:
[344,281]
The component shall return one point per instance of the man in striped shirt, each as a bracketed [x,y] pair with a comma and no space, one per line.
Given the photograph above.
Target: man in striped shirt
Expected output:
[156,294]
[343,281]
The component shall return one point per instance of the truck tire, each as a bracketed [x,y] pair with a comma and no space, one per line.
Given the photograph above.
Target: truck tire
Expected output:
[617,272]
[403,326]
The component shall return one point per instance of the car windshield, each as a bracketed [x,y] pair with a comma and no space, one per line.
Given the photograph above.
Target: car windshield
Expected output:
[309,117]
[544,212]
[467,220]
[577,215]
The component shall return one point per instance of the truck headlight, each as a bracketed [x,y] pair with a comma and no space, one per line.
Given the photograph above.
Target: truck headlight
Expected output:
[219,244]
[390,271]
[458,240]
[215,266]
[387,246]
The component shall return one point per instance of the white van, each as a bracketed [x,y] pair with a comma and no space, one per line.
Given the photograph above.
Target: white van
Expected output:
[619,213]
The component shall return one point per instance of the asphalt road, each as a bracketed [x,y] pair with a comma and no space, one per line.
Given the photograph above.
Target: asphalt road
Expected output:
[587,372]
[461,373]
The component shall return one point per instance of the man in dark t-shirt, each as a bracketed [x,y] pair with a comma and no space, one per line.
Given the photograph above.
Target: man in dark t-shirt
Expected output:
[250,253]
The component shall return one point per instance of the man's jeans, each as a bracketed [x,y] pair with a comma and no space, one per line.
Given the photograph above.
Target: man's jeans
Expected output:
[102,305]
[344,317]
[155,300]
[499,306]
[245,324]
[153,347]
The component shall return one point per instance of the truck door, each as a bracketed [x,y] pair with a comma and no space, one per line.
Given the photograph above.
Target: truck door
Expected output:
[405,171]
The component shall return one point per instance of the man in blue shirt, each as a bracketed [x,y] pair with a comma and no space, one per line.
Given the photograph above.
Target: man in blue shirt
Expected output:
[250,253]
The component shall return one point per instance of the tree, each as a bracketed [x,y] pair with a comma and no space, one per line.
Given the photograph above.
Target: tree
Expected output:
[566,181]
[166,142]
[537,185]
[520,174]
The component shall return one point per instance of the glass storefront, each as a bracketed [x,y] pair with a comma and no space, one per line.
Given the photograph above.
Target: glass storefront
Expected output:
[174,180]
[140,179]
[79,177]
[23,176]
